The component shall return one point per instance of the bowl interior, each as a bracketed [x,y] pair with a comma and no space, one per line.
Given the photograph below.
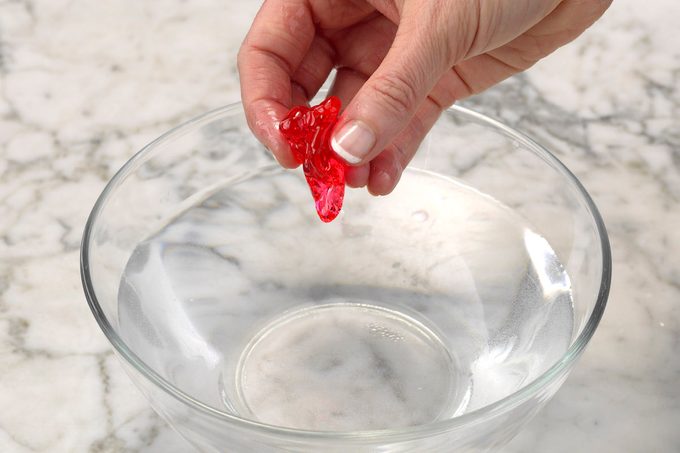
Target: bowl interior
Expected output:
[462,291]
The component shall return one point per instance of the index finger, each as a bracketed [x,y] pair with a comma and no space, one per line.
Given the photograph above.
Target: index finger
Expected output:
[276,44]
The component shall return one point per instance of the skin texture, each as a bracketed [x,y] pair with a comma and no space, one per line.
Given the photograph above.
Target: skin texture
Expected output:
[399,64]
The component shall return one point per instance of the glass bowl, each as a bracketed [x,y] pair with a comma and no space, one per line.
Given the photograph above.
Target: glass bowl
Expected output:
[439,318]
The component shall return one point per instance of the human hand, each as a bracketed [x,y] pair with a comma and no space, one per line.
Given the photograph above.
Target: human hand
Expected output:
[399,64]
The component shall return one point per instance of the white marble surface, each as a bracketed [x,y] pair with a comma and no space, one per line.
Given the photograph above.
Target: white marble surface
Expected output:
[84,84]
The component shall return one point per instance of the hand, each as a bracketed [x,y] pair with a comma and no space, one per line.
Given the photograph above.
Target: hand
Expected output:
[399,63]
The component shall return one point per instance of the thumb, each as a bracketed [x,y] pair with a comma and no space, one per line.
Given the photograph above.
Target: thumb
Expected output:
[388,100]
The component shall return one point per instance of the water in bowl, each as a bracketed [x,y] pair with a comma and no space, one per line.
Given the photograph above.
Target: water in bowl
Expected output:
[420,306]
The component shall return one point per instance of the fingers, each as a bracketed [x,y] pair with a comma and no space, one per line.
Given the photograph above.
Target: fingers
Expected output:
[364,45]
[280,37]
[385,104]
[357,176]
[347,82]
[355,62]
[383,172]
[387,167]
[313,70]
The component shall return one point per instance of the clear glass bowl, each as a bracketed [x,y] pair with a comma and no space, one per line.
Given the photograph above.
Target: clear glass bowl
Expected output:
[439,318]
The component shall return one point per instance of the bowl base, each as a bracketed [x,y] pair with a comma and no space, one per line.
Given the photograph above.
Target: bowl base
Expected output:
[344,366]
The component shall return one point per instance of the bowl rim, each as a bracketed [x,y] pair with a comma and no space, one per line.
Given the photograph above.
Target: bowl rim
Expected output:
[398,434]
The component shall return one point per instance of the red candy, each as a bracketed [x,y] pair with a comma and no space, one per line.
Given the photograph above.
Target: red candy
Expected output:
[308,131]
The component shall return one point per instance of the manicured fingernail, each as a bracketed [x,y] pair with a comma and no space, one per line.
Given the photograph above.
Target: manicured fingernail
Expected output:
[353,141]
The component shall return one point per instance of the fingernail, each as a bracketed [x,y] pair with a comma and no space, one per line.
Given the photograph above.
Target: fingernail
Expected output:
[353,141]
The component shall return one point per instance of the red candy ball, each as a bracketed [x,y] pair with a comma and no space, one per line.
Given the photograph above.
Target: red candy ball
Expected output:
[308,131]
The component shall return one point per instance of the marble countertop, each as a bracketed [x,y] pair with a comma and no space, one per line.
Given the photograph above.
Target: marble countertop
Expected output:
[85,84]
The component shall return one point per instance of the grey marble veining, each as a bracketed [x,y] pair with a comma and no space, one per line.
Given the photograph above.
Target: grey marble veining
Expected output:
[83,85]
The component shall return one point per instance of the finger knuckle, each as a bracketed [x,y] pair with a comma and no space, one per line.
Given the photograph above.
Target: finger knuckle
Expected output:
[400,157]
[396,93]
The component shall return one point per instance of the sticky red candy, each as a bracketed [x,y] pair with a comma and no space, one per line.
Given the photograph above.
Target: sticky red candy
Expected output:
[308,131]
